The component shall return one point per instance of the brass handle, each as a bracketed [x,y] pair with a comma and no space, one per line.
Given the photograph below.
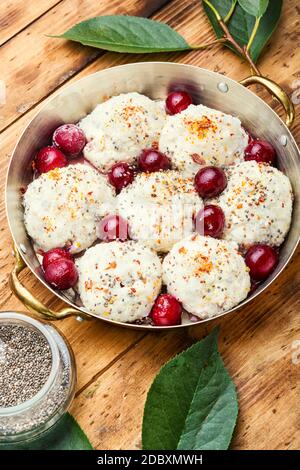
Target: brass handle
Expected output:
[34,305]
[277,92]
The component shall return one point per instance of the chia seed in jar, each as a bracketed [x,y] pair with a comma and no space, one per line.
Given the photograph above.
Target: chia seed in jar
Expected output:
[37,377]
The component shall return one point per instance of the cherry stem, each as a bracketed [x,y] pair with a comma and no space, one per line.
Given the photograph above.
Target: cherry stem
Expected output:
[243,51]
[249,59]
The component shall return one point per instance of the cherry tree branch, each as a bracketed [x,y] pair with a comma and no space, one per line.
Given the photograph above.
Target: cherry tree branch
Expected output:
[243,51]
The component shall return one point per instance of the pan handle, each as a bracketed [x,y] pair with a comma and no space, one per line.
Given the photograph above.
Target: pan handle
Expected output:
[277,92]
[27,299]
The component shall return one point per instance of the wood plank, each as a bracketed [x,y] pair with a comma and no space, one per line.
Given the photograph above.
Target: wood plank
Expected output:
[110,345]
[77,332]
[256,342]
[257,378]
[9,136]
[257,345]
[111,408]
[220,60]
[189,19]
[33,65]
[17,14]
[95,344]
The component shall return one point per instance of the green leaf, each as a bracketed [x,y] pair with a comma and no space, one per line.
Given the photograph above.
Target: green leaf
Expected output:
[192,403]
[241,24]
[126,34]
[65,435]
[255,8]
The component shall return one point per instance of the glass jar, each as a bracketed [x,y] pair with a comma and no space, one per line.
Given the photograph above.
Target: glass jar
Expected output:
[33,417]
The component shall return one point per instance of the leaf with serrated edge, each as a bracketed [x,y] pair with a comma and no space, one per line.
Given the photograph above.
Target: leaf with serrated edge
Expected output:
[192,403]
[131,34]
[241,24]
[255,8]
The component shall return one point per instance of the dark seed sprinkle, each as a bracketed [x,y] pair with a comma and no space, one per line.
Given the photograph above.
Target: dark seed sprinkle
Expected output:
[25,364]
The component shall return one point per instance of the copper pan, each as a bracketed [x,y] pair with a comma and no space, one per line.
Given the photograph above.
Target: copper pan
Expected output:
[154,79]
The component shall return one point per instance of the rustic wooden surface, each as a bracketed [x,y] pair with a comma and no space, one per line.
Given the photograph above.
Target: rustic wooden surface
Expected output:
[116,366]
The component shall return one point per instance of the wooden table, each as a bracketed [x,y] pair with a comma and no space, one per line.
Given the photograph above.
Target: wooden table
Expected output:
[116,366]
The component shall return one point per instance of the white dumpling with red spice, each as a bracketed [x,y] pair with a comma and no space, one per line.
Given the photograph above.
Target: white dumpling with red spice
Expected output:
[120,128]
[257,204]
[159,208]
[61,207]
[208,276]
[119,280]
[201,136]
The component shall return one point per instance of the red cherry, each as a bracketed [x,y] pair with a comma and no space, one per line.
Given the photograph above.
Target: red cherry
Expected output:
[210,221]
[210,181]
[54,254]
[113,227]
[69,138]
[261,260]
[177,101]
[61,274]
[166,311]
[120,175]
[153,160]
[260,151]
[49,158]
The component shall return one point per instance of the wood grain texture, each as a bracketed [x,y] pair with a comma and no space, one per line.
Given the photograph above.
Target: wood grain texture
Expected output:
[33,65]
[256,344]
[116,366]
[15,15]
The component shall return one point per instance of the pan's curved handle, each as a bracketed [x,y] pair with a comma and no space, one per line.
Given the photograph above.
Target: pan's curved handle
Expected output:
[277,92]
[27,299]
